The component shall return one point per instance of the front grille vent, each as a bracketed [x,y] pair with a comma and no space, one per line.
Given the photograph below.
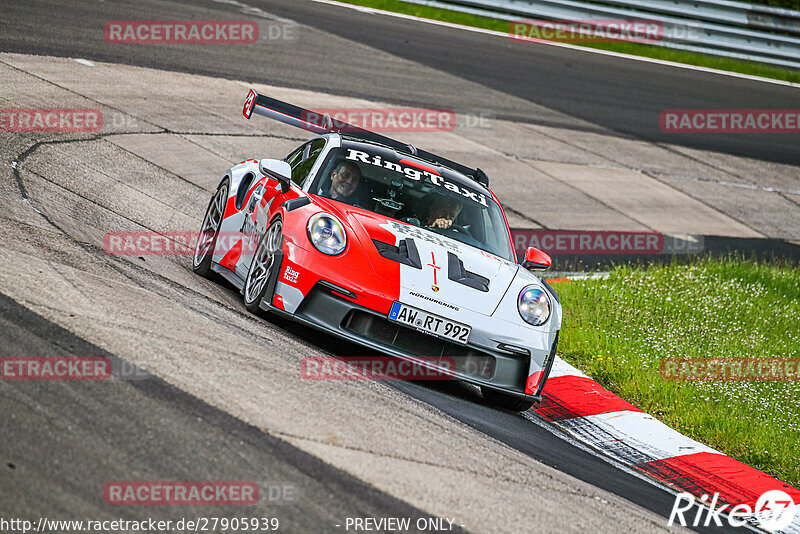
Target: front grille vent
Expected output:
[409,341]
[405,252]
[457,273]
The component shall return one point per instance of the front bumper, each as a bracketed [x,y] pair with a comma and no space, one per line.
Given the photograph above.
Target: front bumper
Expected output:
[323,309]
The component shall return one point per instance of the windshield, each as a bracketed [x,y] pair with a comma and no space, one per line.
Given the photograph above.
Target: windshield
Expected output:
[416,193]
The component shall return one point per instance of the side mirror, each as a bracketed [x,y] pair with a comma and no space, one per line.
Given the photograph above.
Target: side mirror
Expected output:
[275,169]
[536,260]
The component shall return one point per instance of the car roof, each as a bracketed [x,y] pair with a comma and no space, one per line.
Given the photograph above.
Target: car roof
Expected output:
[355,142]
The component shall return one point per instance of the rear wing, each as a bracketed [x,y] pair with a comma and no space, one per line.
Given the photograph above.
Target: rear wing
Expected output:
[313,122]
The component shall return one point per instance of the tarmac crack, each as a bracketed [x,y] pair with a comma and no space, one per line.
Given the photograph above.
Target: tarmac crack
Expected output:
[89,200]
[755,187]
[523,216]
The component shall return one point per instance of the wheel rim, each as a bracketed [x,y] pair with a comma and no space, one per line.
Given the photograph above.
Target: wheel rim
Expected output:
[263,260]
[211,224]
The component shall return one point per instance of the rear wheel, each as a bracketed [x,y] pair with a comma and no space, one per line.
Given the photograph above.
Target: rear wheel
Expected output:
[204,250]
[507,402]
[255,285]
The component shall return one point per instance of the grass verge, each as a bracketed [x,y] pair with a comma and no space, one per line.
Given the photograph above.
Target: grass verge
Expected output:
[656,52]
[618,330]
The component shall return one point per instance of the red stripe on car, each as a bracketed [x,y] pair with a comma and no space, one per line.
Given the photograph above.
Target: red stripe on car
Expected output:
[231,257]
[420,166]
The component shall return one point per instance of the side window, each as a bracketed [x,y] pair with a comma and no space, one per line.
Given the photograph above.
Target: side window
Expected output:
[294,158]
[302,159]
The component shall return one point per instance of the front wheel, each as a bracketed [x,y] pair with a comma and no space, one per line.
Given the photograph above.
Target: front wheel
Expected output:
[255,285]
[507,402]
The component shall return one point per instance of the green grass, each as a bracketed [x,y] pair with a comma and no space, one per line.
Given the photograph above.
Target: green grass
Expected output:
[637,49]
[786,4]
[618,330]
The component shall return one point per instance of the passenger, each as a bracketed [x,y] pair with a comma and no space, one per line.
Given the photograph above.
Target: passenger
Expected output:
[443,212]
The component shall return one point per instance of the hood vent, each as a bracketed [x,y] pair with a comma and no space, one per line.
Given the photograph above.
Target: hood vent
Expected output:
[405,252]
[457,273]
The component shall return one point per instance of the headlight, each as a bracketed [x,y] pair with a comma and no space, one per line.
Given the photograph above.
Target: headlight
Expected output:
[534,305]
[327,234]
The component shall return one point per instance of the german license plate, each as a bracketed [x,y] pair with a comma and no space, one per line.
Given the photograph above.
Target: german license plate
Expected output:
[430,323]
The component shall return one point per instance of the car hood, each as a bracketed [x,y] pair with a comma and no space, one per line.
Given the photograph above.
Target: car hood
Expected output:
[432,267]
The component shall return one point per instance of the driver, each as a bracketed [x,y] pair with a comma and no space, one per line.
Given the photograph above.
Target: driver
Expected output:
[443,212]
[344,181]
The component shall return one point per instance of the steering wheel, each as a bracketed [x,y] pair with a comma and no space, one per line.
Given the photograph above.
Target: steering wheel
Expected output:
[461,230]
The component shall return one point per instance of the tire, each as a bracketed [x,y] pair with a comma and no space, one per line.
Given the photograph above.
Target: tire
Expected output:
[209,230]
[507,402]
[255,285]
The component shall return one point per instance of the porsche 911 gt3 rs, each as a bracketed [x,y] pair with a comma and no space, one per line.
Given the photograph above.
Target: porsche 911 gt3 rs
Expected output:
[399,250]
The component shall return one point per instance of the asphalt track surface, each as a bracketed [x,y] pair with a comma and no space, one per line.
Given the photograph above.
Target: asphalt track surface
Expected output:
[111,429]
[175,434]
[107,430]
[611,94]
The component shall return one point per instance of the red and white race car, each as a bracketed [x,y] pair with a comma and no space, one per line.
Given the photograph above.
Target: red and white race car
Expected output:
[396,249]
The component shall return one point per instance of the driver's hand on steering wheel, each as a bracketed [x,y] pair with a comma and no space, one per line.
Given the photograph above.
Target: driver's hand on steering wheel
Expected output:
[442,223]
